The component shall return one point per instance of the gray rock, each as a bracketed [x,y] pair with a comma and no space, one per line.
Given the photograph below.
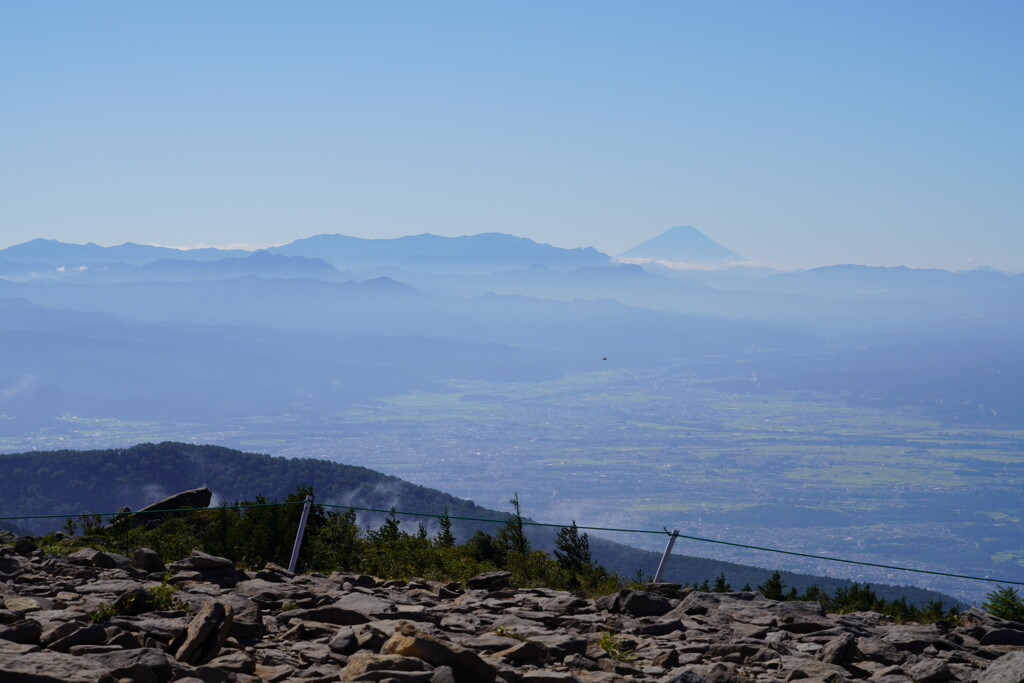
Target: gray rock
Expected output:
[561,645]
[541,675]
[879,650]
[142,664]
[1007,669]
[443,674]
[148,561]
[111,587]
[164,629]
[812,668]
[840,650]
[26,631]
[206,634]
[330,614]
[490,642]
[523,651]
[10,616]
[92,634]
[700,603]
[27,603]
[201,561]
[1003,636]
[87,557]
[154,513]
[411,642]
[635,603]
[51,667]
[685,676]
[916,638]
[490,581]
[24,545]
[930,671]
[274,674]
[11,649]
[12,567]
[363,662]
[271,595]
[344,641]
[234,662]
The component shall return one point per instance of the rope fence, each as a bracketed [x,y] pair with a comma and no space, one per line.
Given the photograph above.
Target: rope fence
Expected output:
[671,534]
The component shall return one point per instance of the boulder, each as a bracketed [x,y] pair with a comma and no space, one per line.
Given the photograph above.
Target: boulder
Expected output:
[26,631]
[154,513]
[51,667]
[931,671]
[140,665]
[148,561]
[1007,669]
[490,581]
[635,603]
[411,642]
[206,634]
[1003,636]
[363,662]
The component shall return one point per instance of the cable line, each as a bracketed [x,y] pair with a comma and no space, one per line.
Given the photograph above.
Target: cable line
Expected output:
[540,524]
[702,540]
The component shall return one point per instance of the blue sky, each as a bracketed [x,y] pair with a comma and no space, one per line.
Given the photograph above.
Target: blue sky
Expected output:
[795,133]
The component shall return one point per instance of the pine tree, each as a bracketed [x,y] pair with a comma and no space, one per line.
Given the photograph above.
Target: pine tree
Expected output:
[1005,603]
[445,538]
[773,587]
[389,532]
[721,585]
[511,538]
[572,550]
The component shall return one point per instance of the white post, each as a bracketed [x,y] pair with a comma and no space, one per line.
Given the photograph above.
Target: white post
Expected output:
[664,558]
[298,534]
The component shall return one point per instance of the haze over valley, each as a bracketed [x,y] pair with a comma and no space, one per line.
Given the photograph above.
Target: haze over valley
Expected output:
[863,412]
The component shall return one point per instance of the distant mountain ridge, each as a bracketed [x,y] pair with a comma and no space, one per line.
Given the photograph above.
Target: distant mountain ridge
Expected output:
[63,253]
[256,264]
[683,244]
[471,252]
[467,253]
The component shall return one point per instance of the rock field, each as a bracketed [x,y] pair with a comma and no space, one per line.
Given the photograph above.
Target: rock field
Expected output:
[270,625]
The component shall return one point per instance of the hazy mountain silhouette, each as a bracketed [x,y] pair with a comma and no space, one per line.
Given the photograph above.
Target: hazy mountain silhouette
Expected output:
[64,254]
[258,264]
[900,281]
[471,253]
[94,364]
[683,244]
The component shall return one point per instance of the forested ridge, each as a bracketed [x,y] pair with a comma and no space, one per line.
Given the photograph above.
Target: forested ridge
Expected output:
[70,482]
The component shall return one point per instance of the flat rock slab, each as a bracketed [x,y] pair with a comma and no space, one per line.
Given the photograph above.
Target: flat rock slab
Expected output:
[51,667]
[1007,669]
[112,586]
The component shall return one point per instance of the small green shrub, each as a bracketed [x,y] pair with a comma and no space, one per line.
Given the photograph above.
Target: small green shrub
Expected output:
[162,598]
[615,647]
[509,633]
[103,613]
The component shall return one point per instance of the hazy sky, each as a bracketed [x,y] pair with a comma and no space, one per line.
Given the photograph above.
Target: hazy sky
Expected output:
[795,133]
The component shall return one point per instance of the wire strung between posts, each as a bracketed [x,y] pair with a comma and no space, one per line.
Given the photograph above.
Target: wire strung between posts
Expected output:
[525,523]
[702,540]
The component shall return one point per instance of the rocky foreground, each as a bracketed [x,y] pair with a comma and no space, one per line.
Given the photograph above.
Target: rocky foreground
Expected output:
[271,625]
